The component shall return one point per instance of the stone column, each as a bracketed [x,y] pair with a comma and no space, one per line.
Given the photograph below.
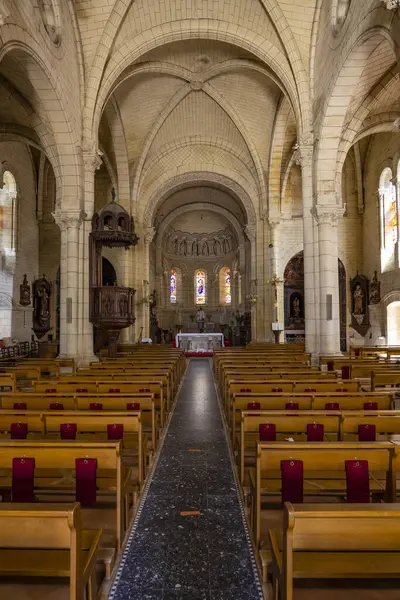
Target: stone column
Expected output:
[149,234]
[91,162]
[304,158]
[327,218]
[250,231]
[69,222]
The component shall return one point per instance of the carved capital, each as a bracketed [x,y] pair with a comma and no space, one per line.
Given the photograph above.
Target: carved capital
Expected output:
[68,219]
[328,215]
[273,224]
[391,4]
[303,155]
[250,233]
[91,157]
[149,234]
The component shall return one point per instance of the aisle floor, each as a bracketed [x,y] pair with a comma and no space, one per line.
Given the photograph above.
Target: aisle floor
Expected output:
[203,555]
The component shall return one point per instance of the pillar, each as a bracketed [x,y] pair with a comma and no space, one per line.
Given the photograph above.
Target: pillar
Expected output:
[91,163]
[69,222]
[327,218]
[305,160]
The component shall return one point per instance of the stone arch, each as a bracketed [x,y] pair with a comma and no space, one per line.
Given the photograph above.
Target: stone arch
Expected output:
[200,206]
[343,88]
[58,144]
[190,179]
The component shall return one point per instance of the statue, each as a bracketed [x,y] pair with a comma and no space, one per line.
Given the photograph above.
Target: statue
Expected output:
[25,292]
[41,306]
[200,320]
[375,290]
[358,296]
[296,308]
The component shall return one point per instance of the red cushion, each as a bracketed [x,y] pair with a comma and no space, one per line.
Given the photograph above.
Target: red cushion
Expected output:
[357,481]
[96,406]
[56,406]
[19,431]
[20,406]
[133,406]
[292,406]
[85,474]
[267,432]
[68,431]
[253,406]
[22,486]
[115,431]
[366,433]
[292,481]
[370,406]
[315,432]
[332,406]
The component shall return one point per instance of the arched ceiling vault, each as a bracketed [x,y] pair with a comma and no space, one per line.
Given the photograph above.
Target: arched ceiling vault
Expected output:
[198,101]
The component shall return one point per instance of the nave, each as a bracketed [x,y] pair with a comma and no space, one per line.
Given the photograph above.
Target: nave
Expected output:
[190,539]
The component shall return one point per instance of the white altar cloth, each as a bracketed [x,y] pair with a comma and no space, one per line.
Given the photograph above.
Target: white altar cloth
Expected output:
[199,342]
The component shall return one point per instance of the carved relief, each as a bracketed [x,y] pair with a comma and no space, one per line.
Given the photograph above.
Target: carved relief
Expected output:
[374,290]
[51,17]
[218,243]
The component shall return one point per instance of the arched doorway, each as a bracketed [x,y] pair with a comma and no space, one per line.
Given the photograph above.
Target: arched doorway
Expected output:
[294,301]
[393,323]
[109,275]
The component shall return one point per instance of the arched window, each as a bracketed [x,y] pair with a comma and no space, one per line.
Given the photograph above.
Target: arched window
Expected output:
[388,217]
[8,213]
[200,287]
[225,286]
[172,286]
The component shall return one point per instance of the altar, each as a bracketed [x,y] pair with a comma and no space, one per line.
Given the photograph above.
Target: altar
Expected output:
[199,342]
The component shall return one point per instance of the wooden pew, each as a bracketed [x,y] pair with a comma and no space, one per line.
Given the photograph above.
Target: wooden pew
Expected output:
[329,541]
[47,540]
[287,425]
[83,402]
[383,380]
[33,420]
[324,470]
[386,423]
[55,471]
[315,402]
[92,427]
[8,382]
[133,386]
[36,402]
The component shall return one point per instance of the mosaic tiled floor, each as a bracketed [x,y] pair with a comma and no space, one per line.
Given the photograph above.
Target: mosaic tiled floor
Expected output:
[203,555]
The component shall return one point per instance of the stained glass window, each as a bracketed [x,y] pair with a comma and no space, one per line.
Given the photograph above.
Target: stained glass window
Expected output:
[200,287]
[389,235]
[172,287]
[225,286]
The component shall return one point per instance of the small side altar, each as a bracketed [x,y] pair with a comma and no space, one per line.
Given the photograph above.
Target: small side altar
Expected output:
[199,342]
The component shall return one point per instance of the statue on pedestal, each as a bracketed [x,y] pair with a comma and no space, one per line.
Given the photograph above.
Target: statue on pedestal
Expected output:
[200,320]
[375,290]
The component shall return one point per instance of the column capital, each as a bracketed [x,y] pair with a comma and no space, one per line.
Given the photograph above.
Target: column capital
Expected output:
[328,215]
[91,157]
[303,154]
[273,223]
[250,233]
[149,234]
[66,219]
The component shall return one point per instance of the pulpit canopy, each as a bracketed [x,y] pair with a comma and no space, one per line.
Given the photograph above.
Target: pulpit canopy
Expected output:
[112,226]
